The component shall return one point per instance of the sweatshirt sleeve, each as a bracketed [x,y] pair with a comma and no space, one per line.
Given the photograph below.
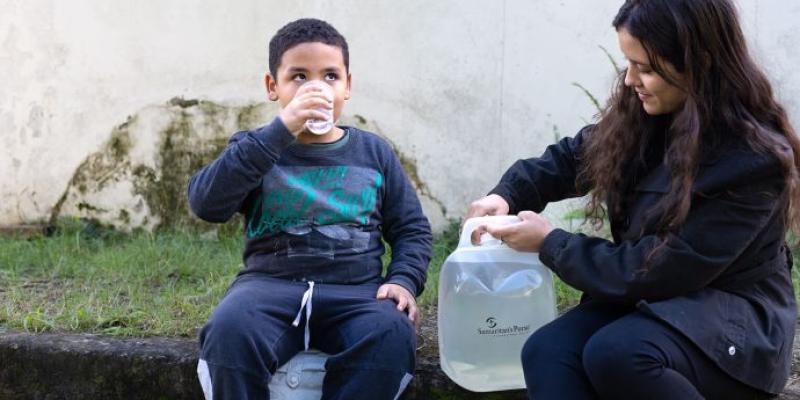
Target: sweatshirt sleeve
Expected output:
[532,183]
[218,191]
[405,228]
[717,230]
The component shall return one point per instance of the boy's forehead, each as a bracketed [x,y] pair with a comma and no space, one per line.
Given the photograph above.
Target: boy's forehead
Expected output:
[312,55]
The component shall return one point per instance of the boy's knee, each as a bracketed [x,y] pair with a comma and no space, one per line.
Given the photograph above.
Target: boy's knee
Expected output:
[227,323]
[226,332]
[387,337]
[229,341]
[392,322]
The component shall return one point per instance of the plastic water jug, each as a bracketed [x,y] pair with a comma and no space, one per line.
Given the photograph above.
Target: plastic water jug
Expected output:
[491,298]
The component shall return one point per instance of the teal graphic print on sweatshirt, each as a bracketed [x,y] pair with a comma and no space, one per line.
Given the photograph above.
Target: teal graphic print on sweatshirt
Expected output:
[294,197]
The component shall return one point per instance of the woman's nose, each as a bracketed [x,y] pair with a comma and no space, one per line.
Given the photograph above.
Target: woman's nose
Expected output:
[631,80]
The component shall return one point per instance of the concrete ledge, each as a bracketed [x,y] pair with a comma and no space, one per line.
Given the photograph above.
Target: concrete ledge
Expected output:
[54,366]
[68,366]
[60,366]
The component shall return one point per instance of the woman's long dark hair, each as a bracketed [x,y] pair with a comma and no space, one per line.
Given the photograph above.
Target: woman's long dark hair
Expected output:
[727,94]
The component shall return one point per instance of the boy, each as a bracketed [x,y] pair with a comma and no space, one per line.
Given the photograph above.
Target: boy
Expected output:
[316,210]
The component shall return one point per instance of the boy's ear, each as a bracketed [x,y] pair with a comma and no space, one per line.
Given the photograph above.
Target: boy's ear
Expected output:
[349,82]
[270,83]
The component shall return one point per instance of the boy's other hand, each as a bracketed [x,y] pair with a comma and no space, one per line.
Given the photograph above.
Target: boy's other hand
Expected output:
[306,104]
[401,296]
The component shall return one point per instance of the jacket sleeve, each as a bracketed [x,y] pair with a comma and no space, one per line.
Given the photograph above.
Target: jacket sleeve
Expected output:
[218,191]
[406,229]
[532,183]
[718,229]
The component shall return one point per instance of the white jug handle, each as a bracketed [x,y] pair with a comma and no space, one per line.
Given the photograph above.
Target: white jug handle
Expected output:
[472,223]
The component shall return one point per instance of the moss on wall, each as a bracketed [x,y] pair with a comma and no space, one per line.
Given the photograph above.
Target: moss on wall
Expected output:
[98,170]
[196,133]
[180,154]
[409,163]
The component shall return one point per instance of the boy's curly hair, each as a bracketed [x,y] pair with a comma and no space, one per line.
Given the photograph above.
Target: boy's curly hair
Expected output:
[304,30]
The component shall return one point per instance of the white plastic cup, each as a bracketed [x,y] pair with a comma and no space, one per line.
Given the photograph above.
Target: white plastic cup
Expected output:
[316,126]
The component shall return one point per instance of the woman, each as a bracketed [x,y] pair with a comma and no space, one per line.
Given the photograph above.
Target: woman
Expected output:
[696,167]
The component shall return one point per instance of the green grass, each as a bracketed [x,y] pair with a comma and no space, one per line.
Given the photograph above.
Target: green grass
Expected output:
[88,279]
[84,279]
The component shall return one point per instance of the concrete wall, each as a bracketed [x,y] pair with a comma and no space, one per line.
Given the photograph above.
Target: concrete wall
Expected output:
[461,87]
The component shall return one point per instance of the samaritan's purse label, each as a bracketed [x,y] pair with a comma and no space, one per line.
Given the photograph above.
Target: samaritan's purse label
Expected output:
[493,329]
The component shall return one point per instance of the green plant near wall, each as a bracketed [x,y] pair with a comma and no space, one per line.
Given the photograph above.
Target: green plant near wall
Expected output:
[592,98]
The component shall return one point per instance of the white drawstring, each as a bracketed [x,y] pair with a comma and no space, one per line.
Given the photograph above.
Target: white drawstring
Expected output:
[306,302]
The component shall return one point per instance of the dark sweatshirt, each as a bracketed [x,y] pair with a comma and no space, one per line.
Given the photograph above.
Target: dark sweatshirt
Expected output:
[317,212]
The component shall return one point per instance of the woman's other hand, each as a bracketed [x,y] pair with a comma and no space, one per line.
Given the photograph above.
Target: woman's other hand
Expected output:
[489,205]
[525,235]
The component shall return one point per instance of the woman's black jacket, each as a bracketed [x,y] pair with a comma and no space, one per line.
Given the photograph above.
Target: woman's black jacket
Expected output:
[723,278]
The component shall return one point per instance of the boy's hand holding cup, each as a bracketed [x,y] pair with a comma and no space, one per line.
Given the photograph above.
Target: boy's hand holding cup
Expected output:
[310,110]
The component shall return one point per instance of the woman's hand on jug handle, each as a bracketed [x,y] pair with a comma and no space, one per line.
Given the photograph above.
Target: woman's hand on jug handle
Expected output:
[526,235]
[489,205]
